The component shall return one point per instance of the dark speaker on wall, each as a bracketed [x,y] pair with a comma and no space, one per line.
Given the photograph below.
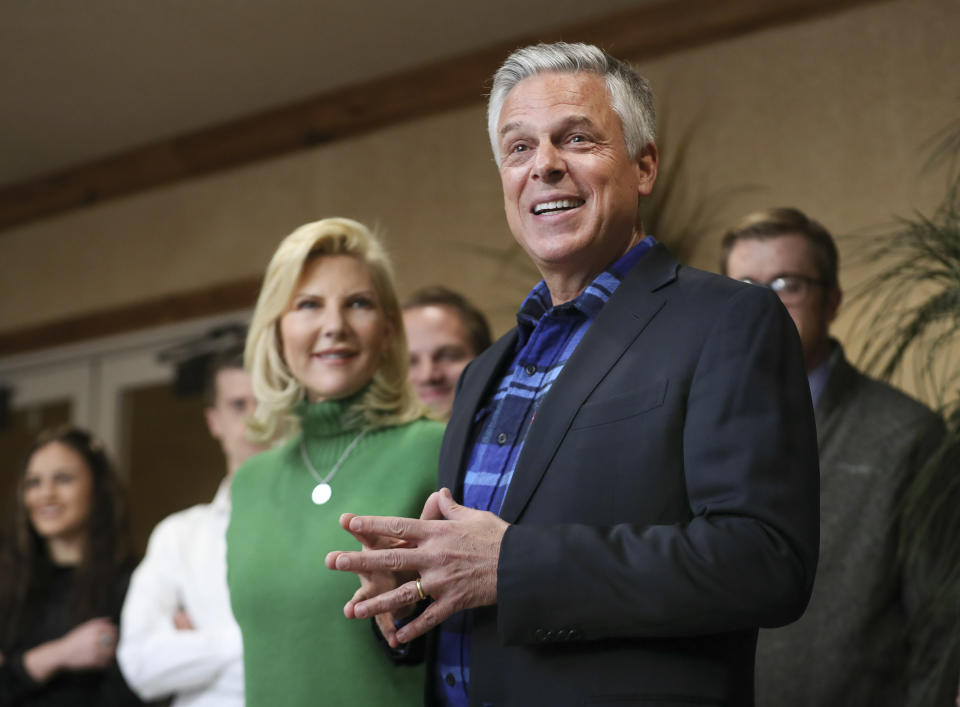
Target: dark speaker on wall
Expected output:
[6,397]
[192,358]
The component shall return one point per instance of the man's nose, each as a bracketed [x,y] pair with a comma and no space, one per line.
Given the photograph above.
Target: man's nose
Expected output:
[419,371]
[548,165]
[434,372]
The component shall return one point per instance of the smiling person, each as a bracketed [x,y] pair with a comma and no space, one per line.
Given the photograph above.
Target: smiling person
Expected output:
[629,477]
[65,568]
[328,358]
[444,333]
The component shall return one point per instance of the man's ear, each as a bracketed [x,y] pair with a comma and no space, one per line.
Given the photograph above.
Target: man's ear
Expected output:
[831,303]
[212,416]
[647,164]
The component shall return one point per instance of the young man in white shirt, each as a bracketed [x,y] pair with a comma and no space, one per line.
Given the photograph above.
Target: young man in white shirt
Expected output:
[178,633]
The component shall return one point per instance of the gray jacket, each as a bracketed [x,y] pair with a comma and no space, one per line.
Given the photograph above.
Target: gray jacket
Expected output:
[850,646]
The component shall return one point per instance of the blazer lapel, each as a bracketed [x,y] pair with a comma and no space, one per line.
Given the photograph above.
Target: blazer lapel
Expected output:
[479,378]
[636,301]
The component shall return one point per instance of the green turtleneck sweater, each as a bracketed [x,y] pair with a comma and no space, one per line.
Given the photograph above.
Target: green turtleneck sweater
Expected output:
[298,647]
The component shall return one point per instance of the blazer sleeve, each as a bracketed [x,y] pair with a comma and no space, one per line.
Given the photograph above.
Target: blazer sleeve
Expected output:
[743,557]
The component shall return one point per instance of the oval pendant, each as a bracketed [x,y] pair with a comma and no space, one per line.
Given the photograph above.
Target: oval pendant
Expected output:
[321,494]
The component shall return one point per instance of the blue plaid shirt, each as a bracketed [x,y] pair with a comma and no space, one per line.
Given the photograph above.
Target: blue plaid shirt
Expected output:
[547,337]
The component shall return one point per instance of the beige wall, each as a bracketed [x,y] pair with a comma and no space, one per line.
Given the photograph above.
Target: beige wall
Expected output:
[828,115]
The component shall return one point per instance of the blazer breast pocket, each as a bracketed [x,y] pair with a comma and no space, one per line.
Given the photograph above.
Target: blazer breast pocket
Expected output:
[622,405]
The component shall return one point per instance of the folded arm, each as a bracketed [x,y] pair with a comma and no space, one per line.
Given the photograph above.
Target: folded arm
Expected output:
[156,657]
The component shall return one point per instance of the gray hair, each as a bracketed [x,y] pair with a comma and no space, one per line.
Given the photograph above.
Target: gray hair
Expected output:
[630,94]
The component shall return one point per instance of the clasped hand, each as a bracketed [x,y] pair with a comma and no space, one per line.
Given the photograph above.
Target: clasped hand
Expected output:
[452,549]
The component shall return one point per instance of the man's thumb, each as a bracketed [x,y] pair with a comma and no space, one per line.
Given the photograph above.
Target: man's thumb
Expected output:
[448,506]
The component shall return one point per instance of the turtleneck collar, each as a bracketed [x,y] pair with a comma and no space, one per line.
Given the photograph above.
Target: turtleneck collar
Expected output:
[323,428]
[327,418]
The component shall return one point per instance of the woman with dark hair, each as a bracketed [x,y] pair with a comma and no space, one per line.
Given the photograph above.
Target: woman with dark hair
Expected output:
[64,567]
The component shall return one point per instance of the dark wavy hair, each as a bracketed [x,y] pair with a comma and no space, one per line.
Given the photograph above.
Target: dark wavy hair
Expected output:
[25,565]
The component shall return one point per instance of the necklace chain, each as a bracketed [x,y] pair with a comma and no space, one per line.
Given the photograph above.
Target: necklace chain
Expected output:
[336,467]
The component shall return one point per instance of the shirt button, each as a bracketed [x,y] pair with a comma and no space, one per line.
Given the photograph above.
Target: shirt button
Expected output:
[530,369]
[502,438]
[451,681]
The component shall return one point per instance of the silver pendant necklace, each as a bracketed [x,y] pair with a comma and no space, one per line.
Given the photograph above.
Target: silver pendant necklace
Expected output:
[322,491]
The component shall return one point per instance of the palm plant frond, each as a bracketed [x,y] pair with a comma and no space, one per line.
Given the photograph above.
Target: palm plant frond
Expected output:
[911,311]
[922,257]
[678,212]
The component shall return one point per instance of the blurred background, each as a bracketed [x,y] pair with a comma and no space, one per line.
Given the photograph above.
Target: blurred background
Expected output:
[153,154]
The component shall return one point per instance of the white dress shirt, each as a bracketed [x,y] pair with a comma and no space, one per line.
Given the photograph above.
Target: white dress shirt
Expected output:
[185,568]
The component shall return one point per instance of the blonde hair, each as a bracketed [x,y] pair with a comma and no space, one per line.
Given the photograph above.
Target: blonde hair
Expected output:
[389,400]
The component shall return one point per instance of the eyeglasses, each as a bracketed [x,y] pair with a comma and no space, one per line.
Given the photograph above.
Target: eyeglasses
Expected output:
[790,287]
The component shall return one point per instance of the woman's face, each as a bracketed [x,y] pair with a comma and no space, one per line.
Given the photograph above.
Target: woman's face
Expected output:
[58,492]
[334,332]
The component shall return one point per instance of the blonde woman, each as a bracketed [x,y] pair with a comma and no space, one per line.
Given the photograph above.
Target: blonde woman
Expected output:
[328,357]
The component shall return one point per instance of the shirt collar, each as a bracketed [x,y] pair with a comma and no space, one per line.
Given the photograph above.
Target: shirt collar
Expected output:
[818,377]
[221,501]
[589,302]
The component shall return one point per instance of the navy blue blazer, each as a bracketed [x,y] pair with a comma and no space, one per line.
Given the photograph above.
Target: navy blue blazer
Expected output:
[664,506]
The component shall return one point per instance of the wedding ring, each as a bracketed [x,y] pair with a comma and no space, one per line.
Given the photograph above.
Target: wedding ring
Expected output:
[420,589]
[106,639]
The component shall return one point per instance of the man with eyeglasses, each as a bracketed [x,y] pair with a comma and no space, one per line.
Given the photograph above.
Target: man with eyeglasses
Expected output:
[851,645]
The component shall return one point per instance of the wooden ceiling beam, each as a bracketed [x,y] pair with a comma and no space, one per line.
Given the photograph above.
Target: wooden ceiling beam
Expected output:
[641,33]
[239,294]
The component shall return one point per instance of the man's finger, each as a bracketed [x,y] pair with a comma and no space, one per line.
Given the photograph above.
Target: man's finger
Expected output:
[390,560]
[433,616]
[330,561]
[368,541]
[431,509]
[388,526]
[446,505]
[387,629]
[403,596]
[362,594]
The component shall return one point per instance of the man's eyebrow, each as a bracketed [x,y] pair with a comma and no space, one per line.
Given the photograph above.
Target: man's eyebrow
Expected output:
[509,126]
[578,120]
[572,121]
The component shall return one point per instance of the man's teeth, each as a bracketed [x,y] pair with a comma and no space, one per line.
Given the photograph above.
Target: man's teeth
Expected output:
[559,205]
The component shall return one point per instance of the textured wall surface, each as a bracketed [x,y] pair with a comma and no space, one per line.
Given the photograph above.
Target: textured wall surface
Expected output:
[828,115]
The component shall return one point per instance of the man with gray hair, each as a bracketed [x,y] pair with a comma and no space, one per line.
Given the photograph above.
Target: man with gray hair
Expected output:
[629,477]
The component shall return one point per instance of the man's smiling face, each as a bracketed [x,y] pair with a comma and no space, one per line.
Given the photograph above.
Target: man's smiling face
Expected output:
[570,188]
